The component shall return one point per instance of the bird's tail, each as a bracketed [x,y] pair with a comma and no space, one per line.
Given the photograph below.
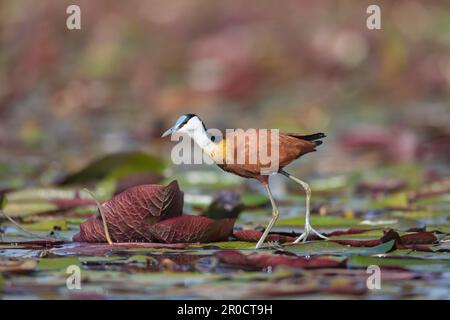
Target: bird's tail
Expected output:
[311,137]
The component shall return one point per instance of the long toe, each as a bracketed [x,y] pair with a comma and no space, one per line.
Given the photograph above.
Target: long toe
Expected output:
[319,234]
[303,236]
[259,244]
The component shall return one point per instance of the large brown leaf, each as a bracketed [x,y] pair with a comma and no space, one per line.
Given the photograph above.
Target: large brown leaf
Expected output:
[189,228]
[130,214]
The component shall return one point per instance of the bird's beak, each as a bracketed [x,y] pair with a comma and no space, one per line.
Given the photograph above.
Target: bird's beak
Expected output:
[168,132]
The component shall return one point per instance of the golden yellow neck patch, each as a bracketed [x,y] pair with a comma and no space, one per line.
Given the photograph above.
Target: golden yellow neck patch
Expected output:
[219,152]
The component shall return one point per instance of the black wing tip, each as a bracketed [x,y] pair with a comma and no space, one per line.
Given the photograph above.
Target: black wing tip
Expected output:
[313,137]
[318,142]
[321,135]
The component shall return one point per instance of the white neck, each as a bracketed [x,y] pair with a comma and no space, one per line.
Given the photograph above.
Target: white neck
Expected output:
[201,138]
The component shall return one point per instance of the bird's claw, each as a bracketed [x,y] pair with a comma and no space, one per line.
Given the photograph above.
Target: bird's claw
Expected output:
[274,245]
[308,230]
[270,245]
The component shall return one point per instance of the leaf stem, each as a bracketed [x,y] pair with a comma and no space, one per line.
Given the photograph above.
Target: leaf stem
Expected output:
[18,226]
[99,206]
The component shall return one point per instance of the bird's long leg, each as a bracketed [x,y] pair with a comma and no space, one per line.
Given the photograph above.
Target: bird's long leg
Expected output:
[275,215]
[308,227]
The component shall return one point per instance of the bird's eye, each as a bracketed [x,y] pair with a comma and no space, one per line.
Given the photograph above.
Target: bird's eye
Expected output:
[213,139]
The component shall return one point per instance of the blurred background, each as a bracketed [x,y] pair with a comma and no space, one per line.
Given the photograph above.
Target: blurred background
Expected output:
[69,96]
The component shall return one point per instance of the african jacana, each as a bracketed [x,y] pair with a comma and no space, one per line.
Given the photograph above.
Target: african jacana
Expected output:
[290,147]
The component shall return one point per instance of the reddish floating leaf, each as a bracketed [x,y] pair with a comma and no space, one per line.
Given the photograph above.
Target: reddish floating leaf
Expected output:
[255,235]
[413,238]
[259,260]
[251,235]
[353,288]
[187,228]
[407,240]
[418,238]
[232,257]
[130,214]
[357,243]
[347,231]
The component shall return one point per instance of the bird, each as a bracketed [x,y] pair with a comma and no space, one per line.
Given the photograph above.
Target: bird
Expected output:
[290,146]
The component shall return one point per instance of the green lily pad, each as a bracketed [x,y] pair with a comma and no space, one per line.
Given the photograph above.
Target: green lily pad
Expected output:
[421,214]
[48,225]
[16,209]
[368,235]
[397,200]
[420,254]
[332,248]
[116,166]
[137,259]
[28,202]
[322,222]
[358,261]
[254,199]
[75,220]
[162,279]
[100,259]
[240,245]
[441,198]
[445,228]
[57,264]
[44,194]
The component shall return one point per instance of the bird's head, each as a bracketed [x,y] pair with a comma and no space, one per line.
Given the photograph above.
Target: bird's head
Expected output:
[187,123]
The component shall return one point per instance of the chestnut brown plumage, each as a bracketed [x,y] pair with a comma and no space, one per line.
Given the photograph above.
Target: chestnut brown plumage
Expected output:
[290,147]
[226,153]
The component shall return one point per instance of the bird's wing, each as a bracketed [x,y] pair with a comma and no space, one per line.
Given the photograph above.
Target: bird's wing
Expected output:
[293,146]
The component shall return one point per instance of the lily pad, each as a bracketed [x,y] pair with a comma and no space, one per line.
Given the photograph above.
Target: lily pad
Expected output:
[436,265]
[57,264]
[321,222]
[254,199]
[47,225]
[241,245]
[331,248]
[115,166]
